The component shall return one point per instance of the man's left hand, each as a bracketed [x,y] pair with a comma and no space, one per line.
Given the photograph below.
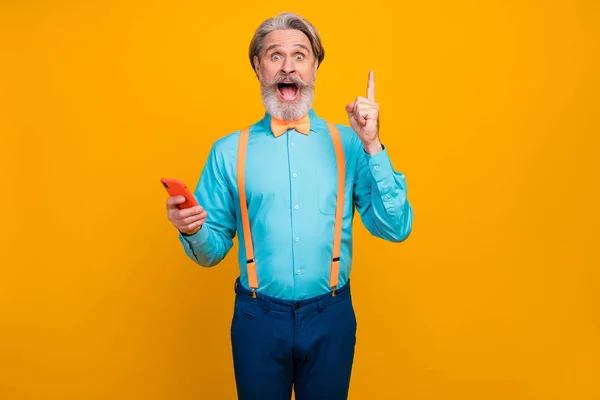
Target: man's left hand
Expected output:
[363,114]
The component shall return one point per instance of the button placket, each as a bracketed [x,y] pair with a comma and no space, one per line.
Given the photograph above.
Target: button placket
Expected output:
[294,200]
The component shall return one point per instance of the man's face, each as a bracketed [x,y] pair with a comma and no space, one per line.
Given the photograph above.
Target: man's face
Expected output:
[287,70]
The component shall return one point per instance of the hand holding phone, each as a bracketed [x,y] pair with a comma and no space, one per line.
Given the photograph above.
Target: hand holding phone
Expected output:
[176,187]
[182,208]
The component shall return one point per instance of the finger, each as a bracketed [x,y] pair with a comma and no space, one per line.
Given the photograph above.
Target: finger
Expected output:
[370,109]
[350,107]
[188,212]
[371,86]
[194,218]
[365,112]
[195,225]
[173,201]
[362,113]
[360,118]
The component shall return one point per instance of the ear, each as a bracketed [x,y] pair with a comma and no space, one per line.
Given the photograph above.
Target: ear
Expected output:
[256,64]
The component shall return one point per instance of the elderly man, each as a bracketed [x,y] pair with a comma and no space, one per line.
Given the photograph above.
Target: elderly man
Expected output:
[288,185]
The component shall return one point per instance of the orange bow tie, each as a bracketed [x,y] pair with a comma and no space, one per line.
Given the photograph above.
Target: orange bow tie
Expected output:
[302,125]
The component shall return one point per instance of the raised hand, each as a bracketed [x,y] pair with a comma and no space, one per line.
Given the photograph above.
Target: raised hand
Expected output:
[363,114]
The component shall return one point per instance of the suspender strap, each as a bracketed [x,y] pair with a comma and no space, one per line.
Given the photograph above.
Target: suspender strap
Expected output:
[339,207]
[337,234]
[241,164]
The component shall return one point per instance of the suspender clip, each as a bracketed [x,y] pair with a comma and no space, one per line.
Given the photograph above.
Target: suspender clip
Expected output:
[253,293]
[334,271]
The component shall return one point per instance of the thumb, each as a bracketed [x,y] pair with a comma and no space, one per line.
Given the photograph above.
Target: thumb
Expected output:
[173,201]
[350,108]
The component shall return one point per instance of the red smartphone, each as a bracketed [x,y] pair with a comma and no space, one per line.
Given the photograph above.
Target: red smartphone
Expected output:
[176,187]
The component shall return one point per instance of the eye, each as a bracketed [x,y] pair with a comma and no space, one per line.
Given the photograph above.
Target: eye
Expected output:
[275,56]
[299,56]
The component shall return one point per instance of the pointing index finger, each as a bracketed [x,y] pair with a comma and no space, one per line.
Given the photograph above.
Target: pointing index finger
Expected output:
[371,86]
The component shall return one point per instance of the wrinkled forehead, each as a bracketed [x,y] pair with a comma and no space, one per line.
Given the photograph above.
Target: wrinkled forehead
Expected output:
[288,40]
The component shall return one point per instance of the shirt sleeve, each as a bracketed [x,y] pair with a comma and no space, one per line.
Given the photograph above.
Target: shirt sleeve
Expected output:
[380,196]
[212,242]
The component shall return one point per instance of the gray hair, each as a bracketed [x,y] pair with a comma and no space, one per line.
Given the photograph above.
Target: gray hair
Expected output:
[286,20]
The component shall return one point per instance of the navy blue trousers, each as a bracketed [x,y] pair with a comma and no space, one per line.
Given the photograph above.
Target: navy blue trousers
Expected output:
[307,345]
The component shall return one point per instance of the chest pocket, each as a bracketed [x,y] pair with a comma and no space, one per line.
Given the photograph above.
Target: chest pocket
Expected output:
[326,188]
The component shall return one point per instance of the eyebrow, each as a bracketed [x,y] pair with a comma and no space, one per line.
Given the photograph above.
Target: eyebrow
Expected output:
[278,45]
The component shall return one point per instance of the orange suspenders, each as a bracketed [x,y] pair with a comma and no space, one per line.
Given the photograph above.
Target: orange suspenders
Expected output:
[337,236]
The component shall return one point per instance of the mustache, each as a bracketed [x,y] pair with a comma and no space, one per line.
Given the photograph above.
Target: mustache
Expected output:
[289,78]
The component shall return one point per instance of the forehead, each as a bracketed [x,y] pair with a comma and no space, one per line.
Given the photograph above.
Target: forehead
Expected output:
[288,38]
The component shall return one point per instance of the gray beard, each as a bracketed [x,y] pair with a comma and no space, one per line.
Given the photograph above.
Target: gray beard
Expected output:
[287,111]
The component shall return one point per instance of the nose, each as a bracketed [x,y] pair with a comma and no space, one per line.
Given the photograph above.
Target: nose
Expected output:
[288,66]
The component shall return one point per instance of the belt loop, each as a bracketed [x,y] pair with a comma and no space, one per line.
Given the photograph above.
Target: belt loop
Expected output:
[266,305]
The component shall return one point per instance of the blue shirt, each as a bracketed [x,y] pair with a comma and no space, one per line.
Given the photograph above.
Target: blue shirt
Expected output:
[291,185]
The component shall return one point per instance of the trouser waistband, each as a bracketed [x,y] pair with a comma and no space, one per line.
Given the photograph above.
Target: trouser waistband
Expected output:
[269,303]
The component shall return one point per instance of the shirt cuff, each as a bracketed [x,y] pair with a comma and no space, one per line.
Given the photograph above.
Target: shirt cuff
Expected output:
[197,239]
[380,165]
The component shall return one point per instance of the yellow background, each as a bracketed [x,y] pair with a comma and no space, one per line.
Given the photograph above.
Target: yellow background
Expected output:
[491,109]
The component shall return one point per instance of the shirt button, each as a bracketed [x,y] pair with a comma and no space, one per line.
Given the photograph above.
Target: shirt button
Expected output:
[194,241]
[293,144]
[386,198]
[299,272]
[296,206]
[376,167]
[294,174]
[297,239]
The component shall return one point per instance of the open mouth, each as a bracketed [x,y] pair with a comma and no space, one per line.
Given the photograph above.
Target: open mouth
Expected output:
[287,91]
